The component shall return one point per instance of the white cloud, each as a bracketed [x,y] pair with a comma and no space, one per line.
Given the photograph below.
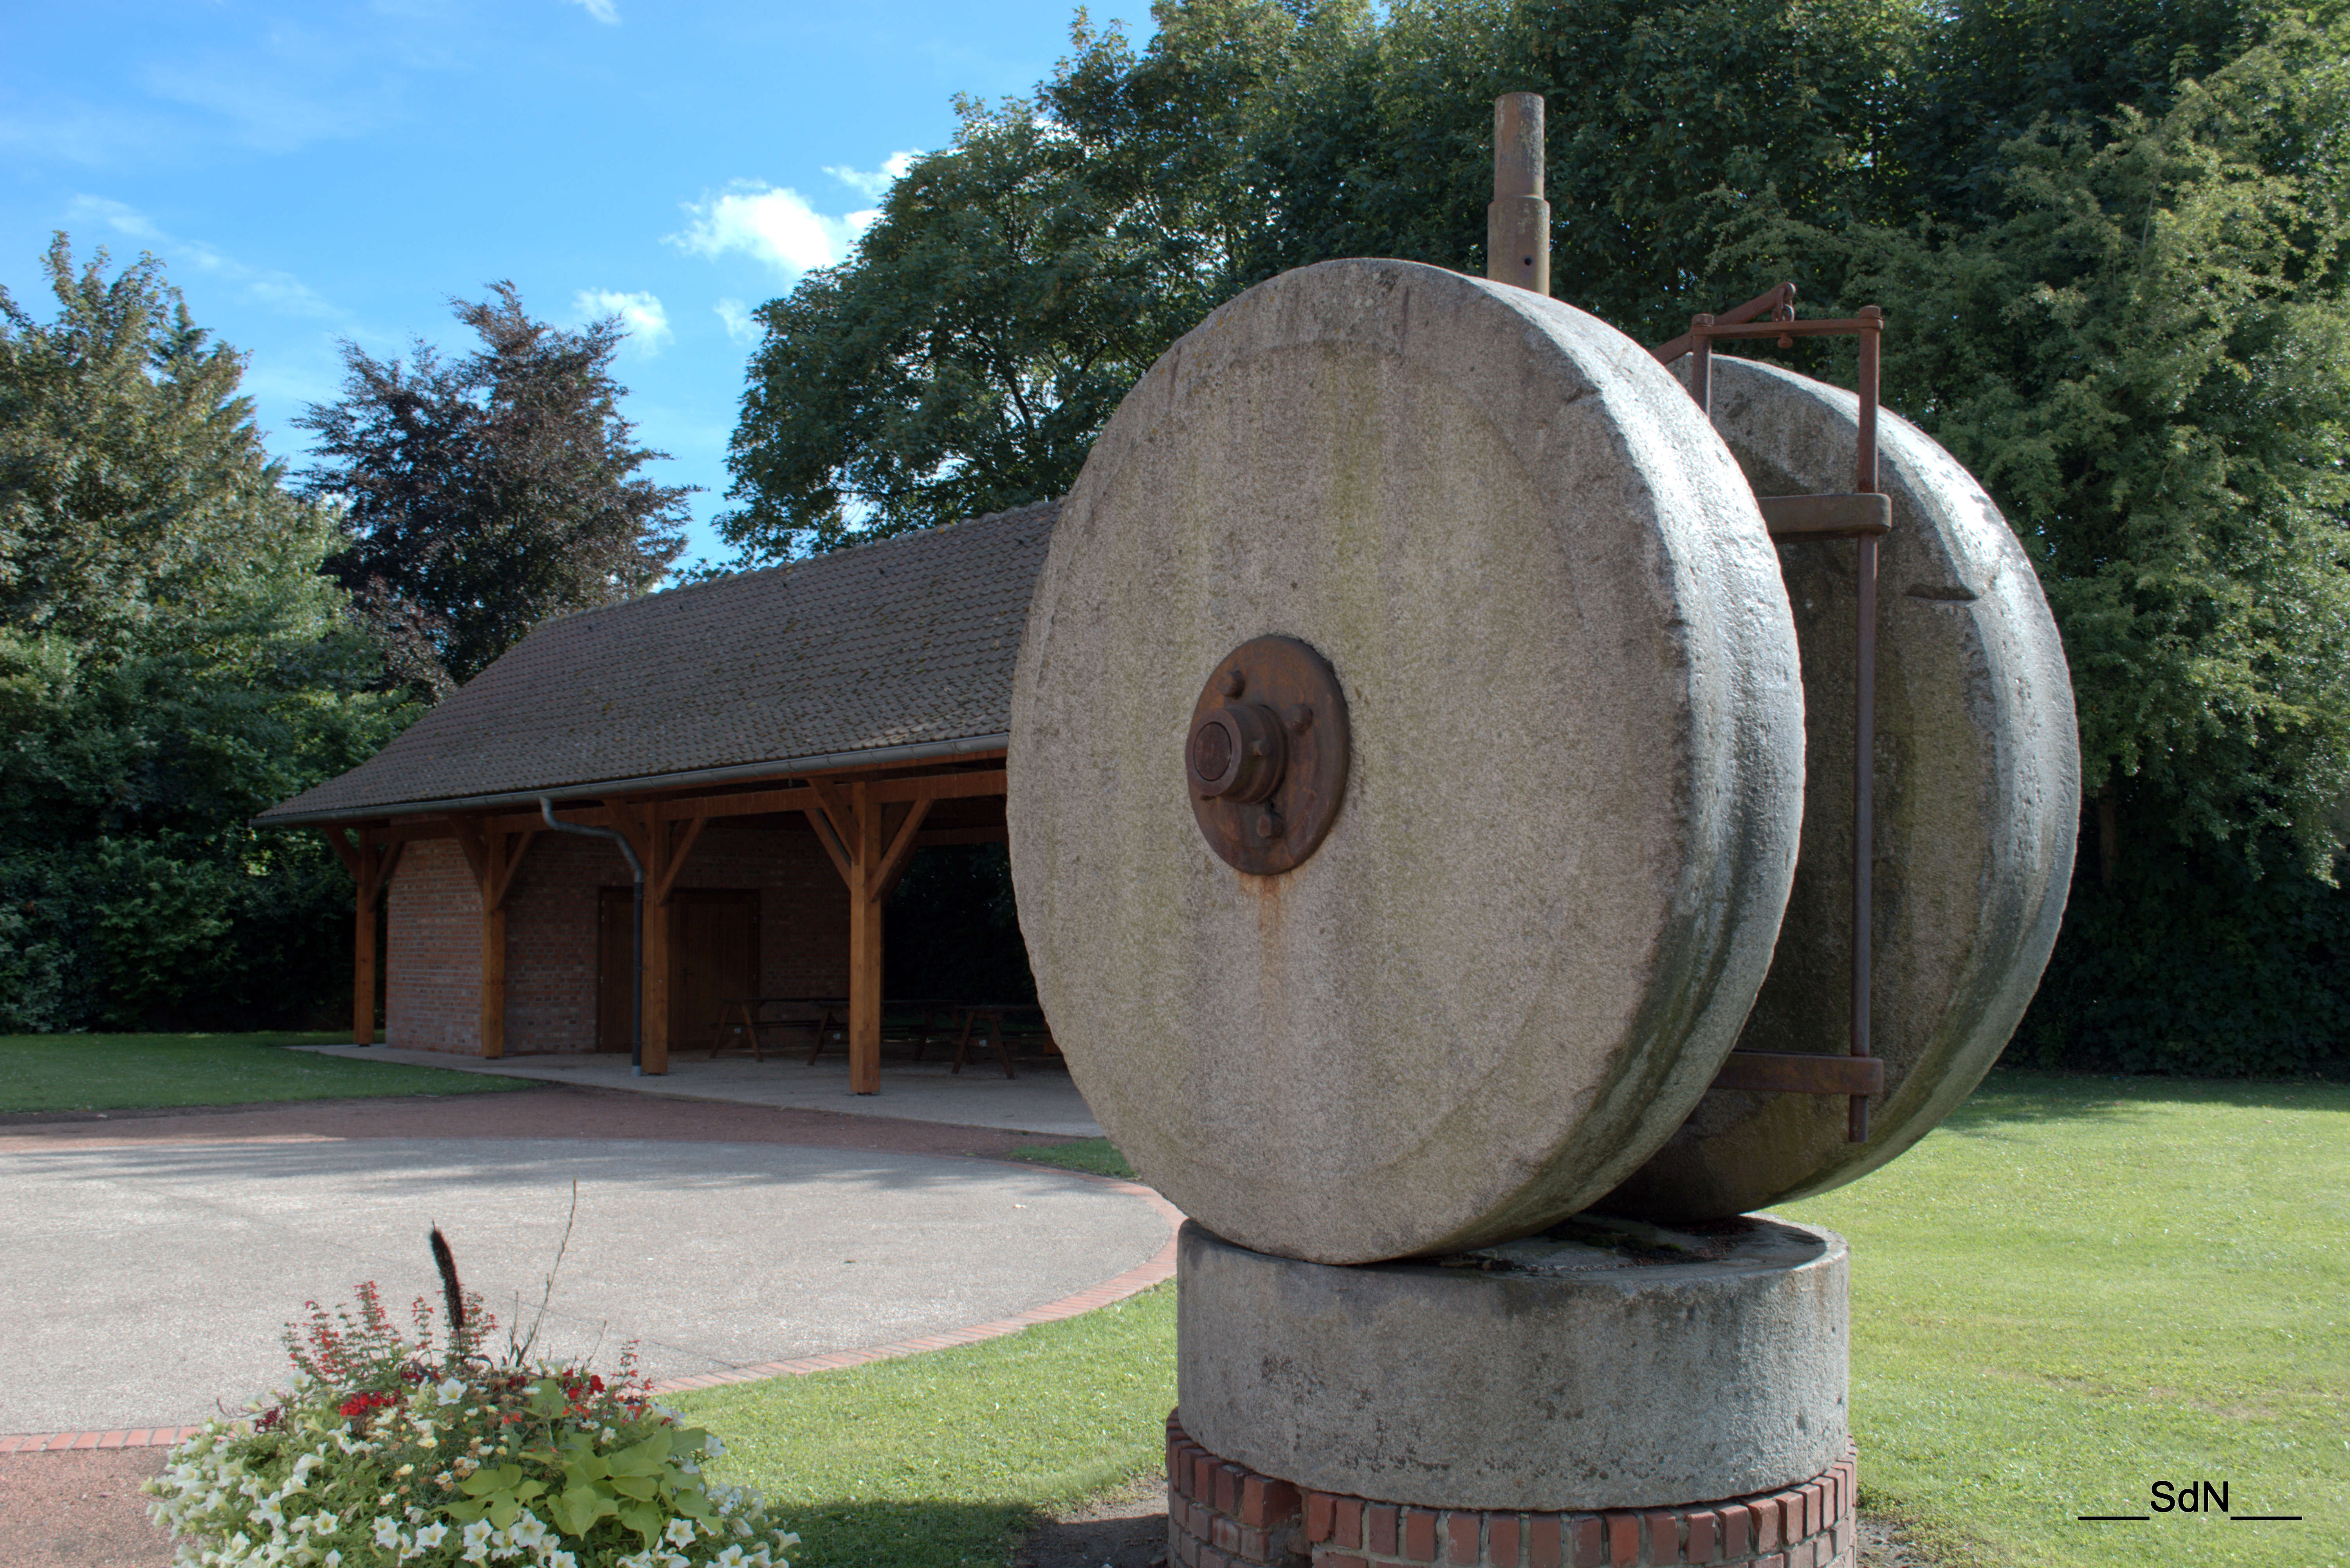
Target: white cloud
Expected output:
[741,324]
[604,11]
[871,185]
[641,314]
[279,291]
[773,223]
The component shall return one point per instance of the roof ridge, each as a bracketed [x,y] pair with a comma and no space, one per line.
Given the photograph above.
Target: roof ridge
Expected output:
[845,553]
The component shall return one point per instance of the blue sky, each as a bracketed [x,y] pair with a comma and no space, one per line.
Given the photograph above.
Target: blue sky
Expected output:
[311,173]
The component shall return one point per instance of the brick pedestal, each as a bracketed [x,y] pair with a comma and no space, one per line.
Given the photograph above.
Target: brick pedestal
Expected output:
[1224,1515]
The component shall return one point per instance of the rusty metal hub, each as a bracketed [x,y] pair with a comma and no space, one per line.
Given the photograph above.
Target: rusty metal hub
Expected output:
[1266,759]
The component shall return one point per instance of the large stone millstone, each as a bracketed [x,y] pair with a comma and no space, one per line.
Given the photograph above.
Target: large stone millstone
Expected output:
[1602,1383]
[1977,806]
[1568,822]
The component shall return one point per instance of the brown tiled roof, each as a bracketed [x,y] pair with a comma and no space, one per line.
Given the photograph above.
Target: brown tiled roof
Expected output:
[902,645]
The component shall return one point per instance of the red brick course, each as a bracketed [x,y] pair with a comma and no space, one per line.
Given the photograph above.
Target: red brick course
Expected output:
[1223,1515]
[433,986]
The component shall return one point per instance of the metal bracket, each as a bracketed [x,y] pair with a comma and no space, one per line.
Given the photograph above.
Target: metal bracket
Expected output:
[1862,517]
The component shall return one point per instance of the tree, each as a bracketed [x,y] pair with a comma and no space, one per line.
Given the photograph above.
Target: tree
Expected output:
[1017,283]
[170,662]
[2109,238]
[481,496]
[1012,289]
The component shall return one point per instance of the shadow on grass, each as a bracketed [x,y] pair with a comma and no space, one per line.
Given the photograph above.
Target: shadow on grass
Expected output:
[2010,1096]
[849,1534]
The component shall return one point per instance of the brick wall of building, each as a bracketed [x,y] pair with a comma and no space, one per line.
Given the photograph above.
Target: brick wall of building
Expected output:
[432,978]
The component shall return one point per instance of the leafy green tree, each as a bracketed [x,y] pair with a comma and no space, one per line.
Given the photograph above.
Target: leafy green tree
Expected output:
[1012,290]
[484,494]
[170,662]
[2108,237]
[2142,355]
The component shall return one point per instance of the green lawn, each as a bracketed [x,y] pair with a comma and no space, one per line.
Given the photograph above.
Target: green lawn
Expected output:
[110,1072]
[2074,1289]
[2077,1287]
[947,1458]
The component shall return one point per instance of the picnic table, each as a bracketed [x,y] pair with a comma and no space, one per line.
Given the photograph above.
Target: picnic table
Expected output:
[747,1020]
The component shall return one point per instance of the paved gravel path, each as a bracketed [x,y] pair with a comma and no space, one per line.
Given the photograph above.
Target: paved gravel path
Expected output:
[153,1257]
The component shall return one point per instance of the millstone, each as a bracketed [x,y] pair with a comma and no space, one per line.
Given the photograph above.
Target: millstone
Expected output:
[1509,962]
[1555,1376]
[1976,804]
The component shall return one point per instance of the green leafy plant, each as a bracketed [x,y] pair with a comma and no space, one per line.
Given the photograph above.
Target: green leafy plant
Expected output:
[386,1451]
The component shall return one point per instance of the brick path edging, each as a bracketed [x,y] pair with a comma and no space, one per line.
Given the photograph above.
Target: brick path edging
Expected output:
[1117,1288]
[1220,1514]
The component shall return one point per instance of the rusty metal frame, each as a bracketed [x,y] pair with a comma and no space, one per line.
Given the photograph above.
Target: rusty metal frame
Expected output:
[1863,517]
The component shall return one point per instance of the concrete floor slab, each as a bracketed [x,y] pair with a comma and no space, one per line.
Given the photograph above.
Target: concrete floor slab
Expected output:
[1041,1099]
[148,1284]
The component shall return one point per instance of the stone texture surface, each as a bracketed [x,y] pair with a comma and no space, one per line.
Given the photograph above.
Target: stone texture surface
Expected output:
[1638,1386]
[1570,819]
[1978,803]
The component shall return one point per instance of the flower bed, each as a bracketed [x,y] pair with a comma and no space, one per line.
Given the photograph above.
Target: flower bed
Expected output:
[386,1453]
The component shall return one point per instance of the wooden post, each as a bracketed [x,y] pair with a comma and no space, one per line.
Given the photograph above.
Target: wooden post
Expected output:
[849,825]
[1517,223]
[363,971]
[663,849]
[495,857]
[370,864]
[864,945]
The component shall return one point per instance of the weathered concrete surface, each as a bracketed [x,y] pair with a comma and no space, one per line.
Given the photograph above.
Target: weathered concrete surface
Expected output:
[1623,1387]
[1570,819]
[146,1285]
[1977,806]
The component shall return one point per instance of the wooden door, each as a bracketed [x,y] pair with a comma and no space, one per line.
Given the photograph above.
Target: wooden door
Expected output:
[616,910]
[713,959]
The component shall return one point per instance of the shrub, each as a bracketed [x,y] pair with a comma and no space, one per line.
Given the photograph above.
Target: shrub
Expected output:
[384,1453]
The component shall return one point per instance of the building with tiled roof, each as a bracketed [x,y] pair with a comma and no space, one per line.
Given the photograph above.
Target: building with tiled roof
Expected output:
[774,747]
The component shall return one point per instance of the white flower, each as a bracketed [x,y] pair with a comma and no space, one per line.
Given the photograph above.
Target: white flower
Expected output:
[713,1446]
[387,1531]
[333,1558]
[433,1534]
[451,1391]
[527,1530]
[561,1560]
[680,1533]
[731,1558]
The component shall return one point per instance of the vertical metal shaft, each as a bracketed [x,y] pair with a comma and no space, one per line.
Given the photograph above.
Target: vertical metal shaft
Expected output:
[1702,363]
[1517,223]
[1864,716]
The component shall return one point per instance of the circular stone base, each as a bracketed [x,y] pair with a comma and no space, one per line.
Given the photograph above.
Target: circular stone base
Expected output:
[1223,1515]
[1604,1365]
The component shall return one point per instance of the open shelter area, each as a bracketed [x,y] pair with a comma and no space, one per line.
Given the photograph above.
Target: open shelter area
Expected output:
[673,825]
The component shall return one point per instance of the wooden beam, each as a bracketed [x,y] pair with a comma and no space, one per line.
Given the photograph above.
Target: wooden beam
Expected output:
[678,856]
[820,824]
[340,843]
[468,838]
[839,808]
[504,865]
[649,836]
[941,786]
[883,878]
[864,943]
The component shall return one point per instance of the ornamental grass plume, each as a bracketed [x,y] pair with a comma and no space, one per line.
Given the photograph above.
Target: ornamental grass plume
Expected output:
[386,1451]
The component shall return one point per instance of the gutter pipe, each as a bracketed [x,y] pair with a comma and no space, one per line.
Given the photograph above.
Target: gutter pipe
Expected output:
[636,934]
[741,772]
